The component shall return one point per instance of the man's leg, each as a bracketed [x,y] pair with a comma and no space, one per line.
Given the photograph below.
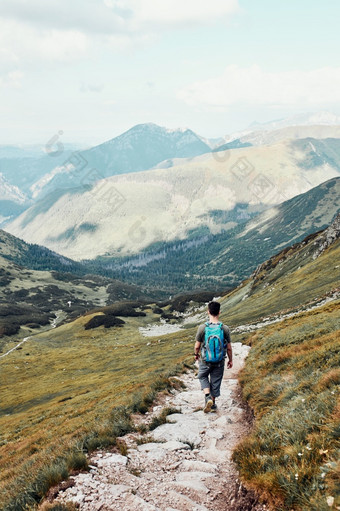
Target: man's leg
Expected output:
[203,376]
[216,376]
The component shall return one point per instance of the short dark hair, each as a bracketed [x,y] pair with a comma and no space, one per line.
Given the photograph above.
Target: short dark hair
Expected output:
[214,308]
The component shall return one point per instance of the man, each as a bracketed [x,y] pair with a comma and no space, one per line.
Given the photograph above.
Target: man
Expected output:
[210,374]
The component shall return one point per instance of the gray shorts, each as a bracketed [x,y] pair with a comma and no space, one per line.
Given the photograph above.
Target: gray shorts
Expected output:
[210,375]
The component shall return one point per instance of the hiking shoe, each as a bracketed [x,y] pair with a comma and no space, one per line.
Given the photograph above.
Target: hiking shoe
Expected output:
[214,407]
[208,404]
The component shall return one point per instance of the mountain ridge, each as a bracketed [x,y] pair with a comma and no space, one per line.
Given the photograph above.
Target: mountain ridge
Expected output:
[226,258]
[112,216]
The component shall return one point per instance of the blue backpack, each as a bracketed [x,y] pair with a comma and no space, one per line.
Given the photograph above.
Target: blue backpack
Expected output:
[214,350]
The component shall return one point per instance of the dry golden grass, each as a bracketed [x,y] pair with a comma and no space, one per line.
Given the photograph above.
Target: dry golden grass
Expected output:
[291,381]
[60,389]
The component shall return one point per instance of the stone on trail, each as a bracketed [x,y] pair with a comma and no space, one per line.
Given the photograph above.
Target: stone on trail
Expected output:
[184,502]
[197,466]
[138,504]
[184,428]
[111,460]
[173,445]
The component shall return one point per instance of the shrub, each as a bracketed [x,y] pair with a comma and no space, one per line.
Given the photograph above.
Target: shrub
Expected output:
[48,506]
[8,328]
[102,320]
[121,420]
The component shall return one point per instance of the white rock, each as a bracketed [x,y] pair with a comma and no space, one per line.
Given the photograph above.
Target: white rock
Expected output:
[192,485]
[149,447]
[115,490]
[193,476]
[173,445]
[136,503]
[112,459]
[200,466]
[215,433]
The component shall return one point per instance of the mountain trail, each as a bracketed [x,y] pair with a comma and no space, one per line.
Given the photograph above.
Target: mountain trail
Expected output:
[185,464]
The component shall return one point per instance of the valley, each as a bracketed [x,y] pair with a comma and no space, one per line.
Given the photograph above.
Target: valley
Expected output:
[94,198]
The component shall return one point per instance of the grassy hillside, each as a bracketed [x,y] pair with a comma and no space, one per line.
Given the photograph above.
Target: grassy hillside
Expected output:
[60,392]
[291,380]
[295,282]
[30,300]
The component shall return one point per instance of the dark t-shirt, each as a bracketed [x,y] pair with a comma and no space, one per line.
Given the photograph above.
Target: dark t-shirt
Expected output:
[200,334]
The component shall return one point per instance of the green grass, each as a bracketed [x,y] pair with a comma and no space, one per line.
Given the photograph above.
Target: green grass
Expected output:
[291,380]
[72,390]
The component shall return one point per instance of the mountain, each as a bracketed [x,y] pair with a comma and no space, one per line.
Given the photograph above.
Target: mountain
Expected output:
[304,119]
[140,148]
[296,278]
[222,260]
[31,299]
[322,133]
[39,170]
[320,119]
[125,214]
[12,200]
[20,169]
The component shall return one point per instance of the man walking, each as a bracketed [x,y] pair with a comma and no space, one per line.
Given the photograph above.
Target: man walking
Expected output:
[211,346]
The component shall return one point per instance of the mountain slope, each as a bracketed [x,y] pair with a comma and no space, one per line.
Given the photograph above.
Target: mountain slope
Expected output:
[30,299]
[296,278]
[223,260]
[124,214]
[272,136]
[140,148]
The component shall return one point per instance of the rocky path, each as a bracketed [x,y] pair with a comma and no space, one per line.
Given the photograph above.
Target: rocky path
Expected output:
[185,464]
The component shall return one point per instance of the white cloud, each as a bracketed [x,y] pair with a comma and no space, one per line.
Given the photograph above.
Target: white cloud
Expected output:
[19,41]
[255,87]
[59,29]
[91,87]
[145,13]
[11,80]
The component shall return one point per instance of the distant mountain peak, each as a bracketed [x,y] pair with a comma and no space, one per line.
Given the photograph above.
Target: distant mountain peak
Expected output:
[323,117]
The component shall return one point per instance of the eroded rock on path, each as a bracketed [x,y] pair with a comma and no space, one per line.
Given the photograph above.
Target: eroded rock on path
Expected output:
[186,467]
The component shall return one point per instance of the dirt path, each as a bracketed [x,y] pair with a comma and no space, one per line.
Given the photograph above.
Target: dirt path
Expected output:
[186,464]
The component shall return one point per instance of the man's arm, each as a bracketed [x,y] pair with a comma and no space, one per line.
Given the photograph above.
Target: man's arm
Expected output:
[229,349]
[198,341]
[230,356]
[197,349]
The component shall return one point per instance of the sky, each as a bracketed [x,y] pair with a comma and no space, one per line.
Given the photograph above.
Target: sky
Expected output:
[88,70]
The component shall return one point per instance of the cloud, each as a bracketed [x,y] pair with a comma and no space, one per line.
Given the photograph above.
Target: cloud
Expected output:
[91,87]
[11,80]
[87,16]
[22,42]
[59,29]
[105,16]
[139,14]
[255,87]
